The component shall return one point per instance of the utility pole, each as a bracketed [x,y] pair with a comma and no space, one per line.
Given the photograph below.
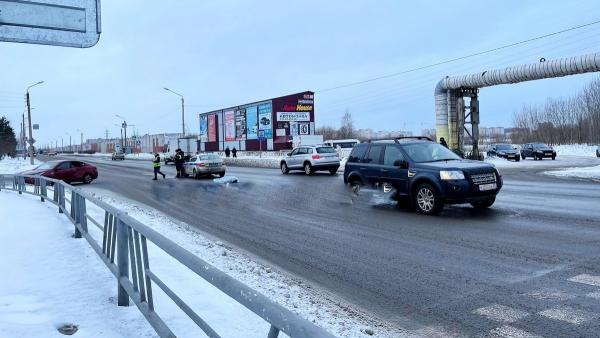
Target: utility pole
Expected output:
[31,140]
[182,110]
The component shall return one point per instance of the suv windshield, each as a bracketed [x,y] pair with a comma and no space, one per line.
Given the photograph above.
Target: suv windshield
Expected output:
[325,150]
[429,152]
[540,145]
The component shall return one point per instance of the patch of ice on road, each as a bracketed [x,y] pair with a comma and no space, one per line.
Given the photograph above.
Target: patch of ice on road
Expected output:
[226,179]
[508,331]
[16,165]
[569,315]
[501,313]
[581,172]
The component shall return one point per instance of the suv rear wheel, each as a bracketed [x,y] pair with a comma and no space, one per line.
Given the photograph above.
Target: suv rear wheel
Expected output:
[308,170]
[284,168]
[484,204]
[427,200]
[87,179]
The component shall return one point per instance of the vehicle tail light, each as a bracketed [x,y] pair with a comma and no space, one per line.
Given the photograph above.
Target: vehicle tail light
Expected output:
[316,157]
[200,165]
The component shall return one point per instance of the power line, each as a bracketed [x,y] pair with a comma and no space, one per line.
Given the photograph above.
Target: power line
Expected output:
[460,58]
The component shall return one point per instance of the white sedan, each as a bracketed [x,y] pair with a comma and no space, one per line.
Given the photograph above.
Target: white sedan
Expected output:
[205,165]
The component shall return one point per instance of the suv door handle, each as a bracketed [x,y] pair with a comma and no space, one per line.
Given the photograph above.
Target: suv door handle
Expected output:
[384,170]
[362,168]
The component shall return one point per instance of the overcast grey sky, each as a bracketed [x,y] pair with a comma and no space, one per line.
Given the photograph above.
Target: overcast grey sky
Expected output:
[223,53]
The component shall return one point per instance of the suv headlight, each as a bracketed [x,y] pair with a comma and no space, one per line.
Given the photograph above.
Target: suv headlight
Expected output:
[452,175]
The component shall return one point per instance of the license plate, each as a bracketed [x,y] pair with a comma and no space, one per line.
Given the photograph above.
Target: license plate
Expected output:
[486,187]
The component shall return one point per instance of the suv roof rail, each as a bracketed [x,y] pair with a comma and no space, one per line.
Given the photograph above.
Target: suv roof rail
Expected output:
[397,139]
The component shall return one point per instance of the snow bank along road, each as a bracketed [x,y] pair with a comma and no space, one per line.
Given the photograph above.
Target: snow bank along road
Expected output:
[530,265]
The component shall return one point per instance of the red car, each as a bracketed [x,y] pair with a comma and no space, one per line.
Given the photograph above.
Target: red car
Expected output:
[68,171]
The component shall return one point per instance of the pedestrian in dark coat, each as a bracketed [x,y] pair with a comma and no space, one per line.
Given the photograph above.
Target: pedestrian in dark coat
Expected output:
[156,165]
[227,152]
[443,142]
[179,159]
[234,152]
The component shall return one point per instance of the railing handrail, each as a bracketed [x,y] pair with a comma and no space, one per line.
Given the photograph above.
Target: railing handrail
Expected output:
[280,318]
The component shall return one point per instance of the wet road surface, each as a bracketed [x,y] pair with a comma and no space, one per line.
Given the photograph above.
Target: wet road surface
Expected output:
[529,265]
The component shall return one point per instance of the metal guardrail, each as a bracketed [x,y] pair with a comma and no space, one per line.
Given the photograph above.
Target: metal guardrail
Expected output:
[124,249]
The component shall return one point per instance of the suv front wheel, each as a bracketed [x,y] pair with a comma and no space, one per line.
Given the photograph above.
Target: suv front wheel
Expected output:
[427,200]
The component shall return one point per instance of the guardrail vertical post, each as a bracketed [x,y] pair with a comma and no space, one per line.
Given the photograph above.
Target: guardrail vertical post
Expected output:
[1,182]
[75,212]
[61,197]
[82,213]
[43,192]
[273,332]
[122,261]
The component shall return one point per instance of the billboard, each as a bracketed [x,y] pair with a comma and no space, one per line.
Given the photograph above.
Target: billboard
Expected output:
[203,128]
[265,116]
[229,125]
[240,124]
[212,128]
[251,123]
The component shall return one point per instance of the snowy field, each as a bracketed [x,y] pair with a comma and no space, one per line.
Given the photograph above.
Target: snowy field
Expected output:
[583,172]
[15,165]
[55,279]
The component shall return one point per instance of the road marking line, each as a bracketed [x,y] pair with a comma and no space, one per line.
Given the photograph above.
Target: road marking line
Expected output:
[593,295]
[548,294]
[501,313]
[508,331]
[569,315]
[586,279]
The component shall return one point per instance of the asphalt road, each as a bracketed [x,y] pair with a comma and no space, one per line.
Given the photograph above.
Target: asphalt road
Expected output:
[531,264]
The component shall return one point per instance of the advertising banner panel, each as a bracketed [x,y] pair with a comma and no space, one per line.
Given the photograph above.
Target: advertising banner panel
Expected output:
[293,116]
[251,123]
[265,115]
[240,124]
[203,128]
[229,117]
[212,128]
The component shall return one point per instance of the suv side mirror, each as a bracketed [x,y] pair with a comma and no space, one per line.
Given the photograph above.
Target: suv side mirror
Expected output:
[403,164]
[289,154]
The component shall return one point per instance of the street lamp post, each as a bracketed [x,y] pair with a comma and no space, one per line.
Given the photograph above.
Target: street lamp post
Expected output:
[123,129]
[31,141]
[81,141]
[182,110]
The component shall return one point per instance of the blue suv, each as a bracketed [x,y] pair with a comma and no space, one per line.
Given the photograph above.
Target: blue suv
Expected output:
[423,173]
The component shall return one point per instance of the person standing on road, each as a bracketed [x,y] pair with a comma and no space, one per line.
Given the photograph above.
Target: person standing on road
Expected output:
[443,142]
[156,165]
[227,151]
[234,152]
[179,163]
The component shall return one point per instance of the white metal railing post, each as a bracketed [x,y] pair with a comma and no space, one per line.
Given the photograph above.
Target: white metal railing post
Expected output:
[122,262]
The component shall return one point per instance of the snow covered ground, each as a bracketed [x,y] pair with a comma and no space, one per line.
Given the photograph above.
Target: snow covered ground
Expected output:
[576,150]
[50,279]
[16,165]
[582,172]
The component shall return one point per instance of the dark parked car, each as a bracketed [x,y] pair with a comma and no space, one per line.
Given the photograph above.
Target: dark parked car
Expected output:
[503,150]
[423,173]
[68,171]
[537,151]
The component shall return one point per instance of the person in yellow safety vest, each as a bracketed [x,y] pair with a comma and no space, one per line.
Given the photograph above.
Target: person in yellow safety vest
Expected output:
[156,165]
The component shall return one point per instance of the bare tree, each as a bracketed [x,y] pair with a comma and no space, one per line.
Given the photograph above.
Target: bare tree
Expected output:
[347,127]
